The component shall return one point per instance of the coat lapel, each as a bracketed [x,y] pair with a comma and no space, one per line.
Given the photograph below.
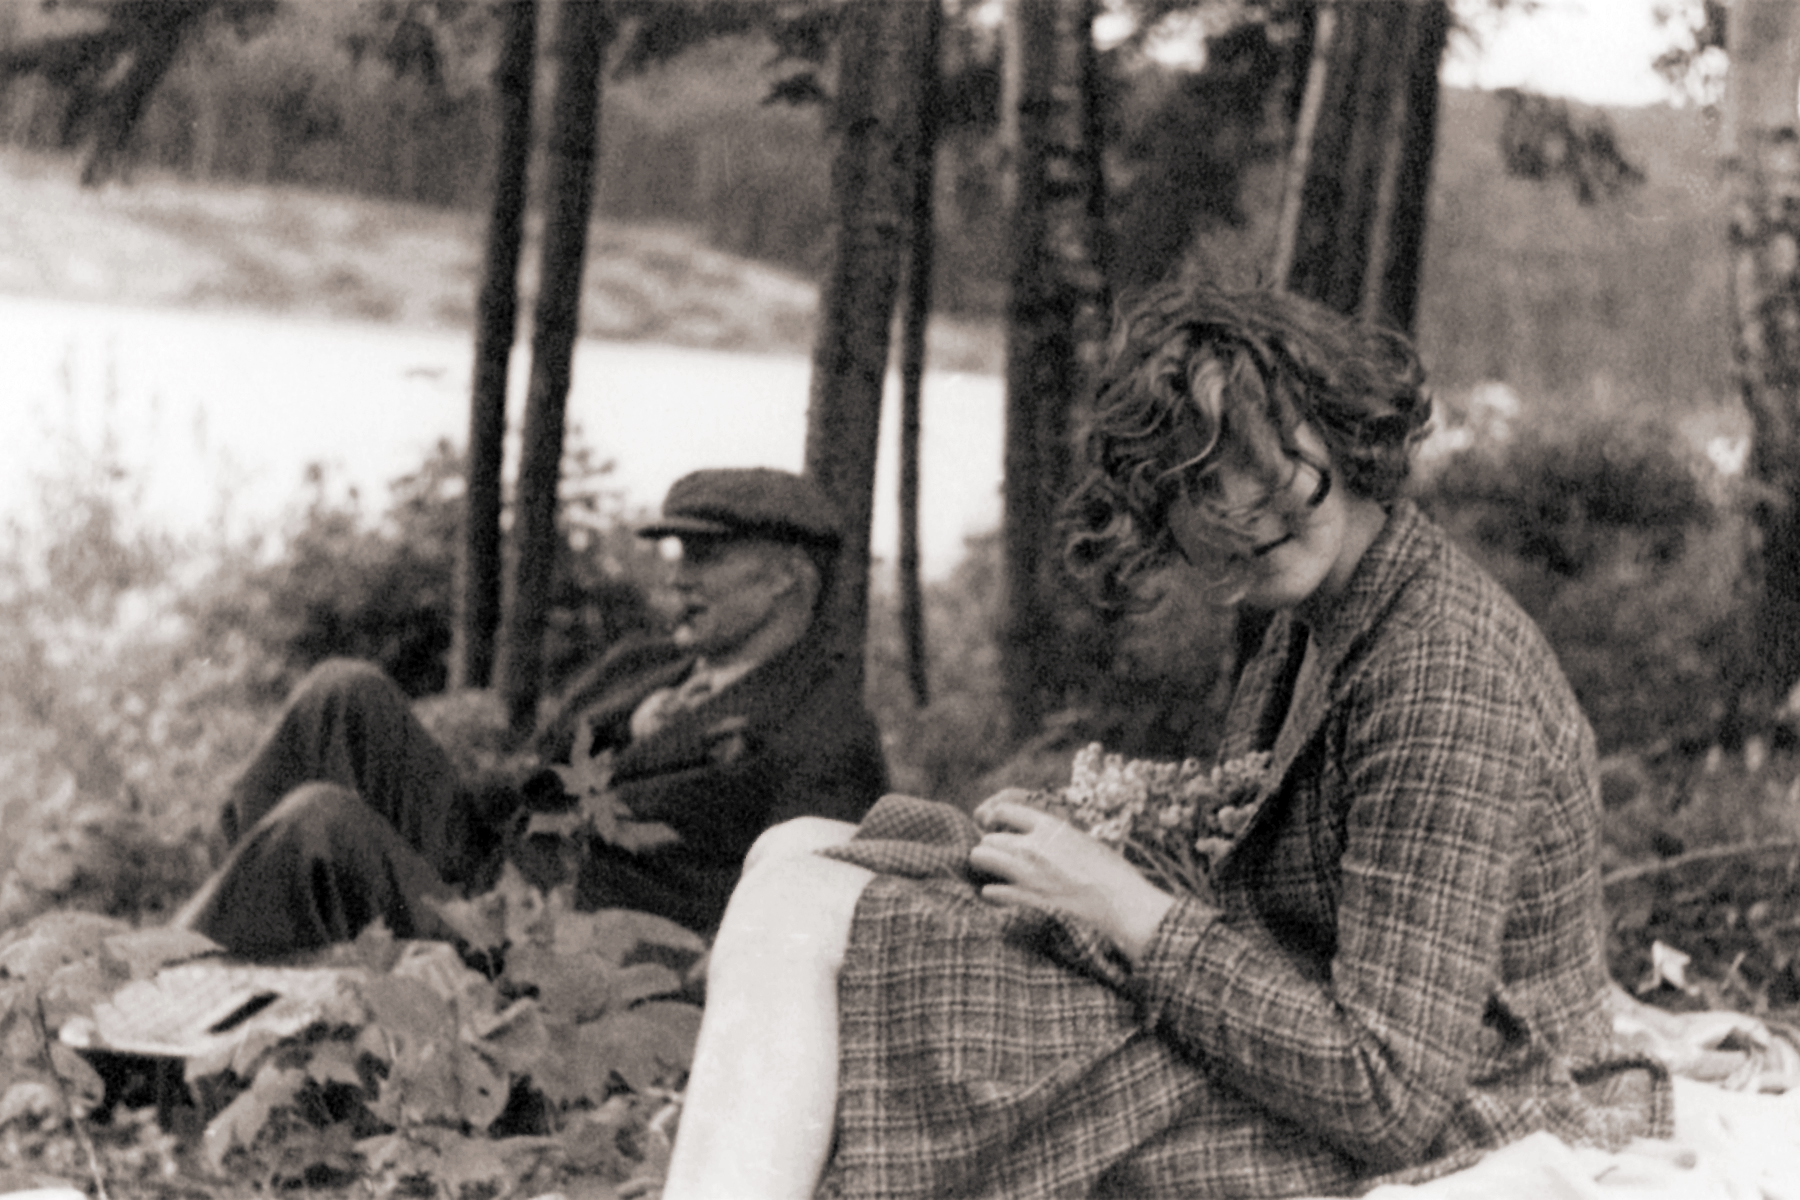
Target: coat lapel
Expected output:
[1261,716]
[762,698]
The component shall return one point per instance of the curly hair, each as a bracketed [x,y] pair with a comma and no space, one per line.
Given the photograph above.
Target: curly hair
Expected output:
[1194,374]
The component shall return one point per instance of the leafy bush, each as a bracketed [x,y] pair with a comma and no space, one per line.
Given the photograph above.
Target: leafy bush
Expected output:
[381,590]
[394,1065]
[118,717]
[1627,547]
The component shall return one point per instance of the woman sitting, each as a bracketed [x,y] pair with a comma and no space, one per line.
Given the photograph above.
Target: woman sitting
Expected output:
[1398,965]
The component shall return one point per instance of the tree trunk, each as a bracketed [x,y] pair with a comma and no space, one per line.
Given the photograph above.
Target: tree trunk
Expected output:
[496,327]
[922,252]
[1055,319]
[1763,156]
[1353,228]
[881,70]
[585,29]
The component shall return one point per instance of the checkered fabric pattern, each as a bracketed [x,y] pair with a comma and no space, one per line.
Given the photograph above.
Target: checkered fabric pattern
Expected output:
[1404,970]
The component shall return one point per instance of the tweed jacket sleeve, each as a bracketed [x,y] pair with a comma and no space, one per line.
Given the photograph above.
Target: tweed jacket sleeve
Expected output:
[1412,917]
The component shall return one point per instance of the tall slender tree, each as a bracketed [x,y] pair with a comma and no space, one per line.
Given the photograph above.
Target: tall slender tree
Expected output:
[479,566]
[1055,321]
[1762,136]
[915,321]
[1353,221]
[585,28]
[882,49]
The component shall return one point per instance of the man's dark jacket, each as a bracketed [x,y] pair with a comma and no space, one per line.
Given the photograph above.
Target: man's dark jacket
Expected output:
[791,738]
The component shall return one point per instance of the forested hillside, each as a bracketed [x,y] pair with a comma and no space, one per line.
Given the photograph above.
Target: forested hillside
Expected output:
[1622,299]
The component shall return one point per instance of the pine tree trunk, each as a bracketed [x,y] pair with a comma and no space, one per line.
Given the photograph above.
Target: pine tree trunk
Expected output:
[1353,228]
[881,71]
[1055,318]
[1763,154]
[496,327]
[922,245]
[585,29]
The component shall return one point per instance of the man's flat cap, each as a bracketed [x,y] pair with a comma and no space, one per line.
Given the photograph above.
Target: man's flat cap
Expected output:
[747,502]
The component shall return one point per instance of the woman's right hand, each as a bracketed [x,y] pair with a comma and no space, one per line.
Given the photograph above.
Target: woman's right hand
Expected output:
[1044,862]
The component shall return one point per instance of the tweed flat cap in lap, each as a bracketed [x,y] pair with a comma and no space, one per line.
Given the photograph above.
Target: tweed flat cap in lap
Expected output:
[747,502]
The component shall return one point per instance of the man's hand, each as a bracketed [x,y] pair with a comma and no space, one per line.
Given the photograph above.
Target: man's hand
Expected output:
[1045,862]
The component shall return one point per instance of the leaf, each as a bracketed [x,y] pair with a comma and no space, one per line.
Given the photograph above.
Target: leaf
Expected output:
[472,1162]
[579,1073]
[576,986]
[409,1009]
[440,967]
[246,1115]
[481,1088]
[77,988]
[590,1137]
[242,1057]
[646,1045]
[588,773]
[333,1062]
[514,1040]
[33,1098]
[83,1083]
[47,942]
[375,950]
[479,921]
[620,934]
[641,981]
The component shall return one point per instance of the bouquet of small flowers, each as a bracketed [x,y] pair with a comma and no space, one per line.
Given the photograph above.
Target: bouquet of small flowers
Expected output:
[1172,820]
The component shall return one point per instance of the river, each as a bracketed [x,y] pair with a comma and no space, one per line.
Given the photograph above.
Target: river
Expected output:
[217,416]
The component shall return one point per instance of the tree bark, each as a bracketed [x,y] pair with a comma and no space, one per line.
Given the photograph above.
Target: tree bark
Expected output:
[496,327]
[1763,157]
[1055,318]
[585,29]
[1353,229]
[922,245]
[881,71]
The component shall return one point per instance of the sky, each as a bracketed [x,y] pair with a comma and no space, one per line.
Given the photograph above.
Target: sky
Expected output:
[1595,51]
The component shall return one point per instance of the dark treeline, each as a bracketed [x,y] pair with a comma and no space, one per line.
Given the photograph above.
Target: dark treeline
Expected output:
[342,97]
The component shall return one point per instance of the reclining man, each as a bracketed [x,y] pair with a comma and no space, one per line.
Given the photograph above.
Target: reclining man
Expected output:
[350,811]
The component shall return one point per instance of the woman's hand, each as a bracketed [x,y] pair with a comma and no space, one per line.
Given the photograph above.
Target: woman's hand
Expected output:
[1045,862]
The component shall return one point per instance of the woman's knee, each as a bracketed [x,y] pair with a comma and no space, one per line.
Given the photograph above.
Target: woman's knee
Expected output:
[793,912]
[791,839]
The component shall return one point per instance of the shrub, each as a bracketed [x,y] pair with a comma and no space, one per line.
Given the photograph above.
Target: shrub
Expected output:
[381,590]
[1622,541]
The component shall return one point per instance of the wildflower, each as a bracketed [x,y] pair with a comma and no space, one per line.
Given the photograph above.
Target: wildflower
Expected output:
[1172,820]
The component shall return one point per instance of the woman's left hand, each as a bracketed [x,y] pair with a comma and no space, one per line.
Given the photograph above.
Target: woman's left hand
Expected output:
[1045,862]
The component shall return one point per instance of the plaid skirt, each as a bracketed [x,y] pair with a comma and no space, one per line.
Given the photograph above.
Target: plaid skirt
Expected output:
[993,1051]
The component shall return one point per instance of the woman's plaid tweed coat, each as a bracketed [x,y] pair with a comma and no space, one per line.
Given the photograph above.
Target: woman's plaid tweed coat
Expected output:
[1404,966]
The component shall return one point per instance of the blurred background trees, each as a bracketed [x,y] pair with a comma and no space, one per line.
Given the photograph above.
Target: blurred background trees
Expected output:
[1173,141]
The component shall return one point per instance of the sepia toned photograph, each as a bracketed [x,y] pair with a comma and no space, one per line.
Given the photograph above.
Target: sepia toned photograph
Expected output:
[899,599]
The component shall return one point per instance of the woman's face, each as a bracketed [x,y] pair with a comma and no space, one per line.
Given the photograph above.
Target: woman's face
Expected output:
[1291,558]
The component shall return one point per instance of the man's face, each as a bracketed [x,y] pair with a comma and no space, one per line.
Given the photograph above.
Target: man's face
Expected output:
[727,590]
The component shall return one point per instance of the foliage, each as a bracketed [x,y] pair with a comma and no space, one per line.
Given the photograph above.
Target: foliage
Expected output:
[118,718]
[1627,547]
[409,1070]
[1543,138]
[381,590]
